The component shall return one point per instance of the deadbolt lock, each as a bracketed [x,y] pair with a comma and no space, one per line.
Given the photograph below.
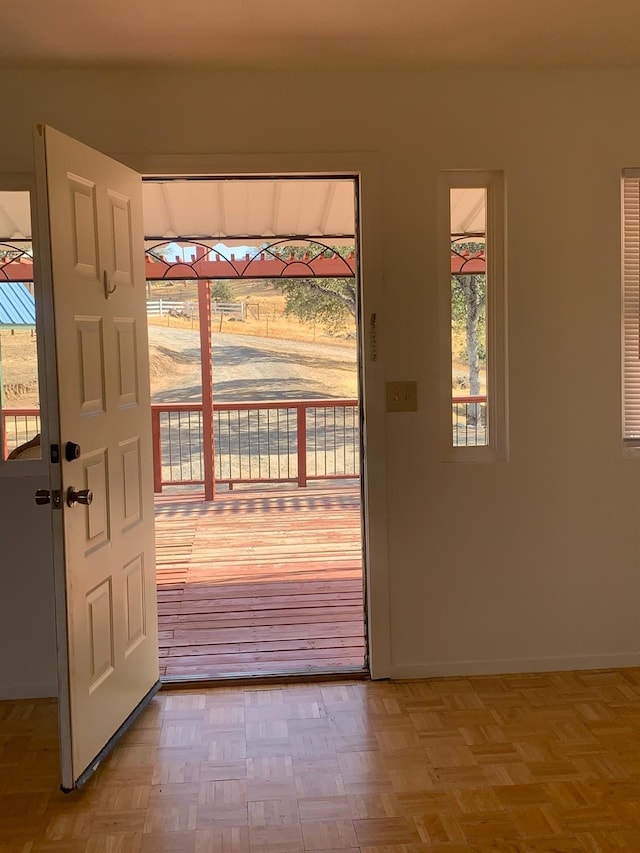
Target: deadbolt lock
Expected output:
[71,451]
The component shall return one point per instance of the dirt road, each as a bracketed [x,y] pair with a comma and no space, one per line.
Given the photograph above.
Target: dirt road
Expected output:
[249,368]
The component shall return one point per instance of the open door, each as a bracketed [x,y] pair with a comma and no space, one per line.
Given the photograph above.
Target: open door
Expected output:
[101,500]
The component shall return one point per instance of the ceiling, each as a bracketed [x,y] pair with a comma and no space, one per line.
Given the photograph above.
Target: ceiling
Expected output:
[331,33]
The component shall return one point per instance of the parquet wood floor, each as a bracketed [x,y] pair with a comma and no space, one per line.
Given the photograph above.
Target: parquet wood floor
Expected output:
[515,763]
[260,582]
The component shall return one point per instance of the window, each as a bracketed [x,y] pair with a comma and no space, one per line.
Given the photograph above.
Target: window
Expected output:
[631,311]
[471,236]
[19,386]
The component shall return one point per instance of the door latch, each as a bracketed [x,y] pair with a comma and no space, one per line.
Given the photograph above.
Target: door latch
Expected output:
[53,497]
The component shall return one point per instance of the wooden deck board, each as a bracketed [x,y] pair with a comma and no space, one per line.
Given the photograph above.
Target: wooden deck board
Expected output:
[260,582]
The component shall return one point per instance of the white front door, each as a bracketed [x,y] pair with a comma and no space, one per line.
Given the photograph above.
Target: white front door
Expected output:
[91,235]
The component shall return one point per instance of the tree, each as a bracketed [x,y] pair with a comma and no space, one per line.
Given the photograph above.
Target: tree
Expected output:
[468,301]
[221,291]
[330,302]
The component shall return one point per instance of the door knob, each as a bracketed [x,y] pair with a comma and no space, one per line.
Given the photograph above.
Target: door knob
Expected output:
[82,496]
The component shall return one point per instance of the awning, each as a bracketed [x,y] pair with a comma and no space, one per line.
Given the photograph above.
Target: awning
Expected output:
[248,208]
[17,306]
[251,213]
[238,208]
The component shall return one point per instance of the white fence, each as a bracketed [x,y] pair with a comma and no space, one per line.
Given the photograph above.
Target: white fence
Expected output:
[189,308]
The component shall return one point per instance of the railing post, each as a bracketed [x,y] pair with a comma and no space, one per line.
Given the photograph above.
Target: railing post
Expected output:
[206,372]
[301,425]
[156,450]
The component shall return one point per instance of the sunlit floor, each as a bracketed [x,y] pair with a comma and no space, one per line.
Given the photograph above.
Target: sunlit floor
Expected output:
[515,763]
[261,582]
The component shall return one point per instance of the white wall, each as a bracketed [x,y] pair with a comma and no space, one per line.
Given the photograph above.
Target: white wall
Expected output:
[528,564]
[27,627]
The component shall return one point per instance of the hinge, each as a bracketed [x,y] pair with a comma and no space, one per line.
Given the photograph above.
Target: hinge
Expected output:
[56,499]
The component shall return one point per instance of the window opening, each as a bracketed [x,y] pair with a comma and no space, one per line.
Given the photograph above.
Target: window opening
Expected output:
[19,387]
[473,318]
[631,310]
[469,317]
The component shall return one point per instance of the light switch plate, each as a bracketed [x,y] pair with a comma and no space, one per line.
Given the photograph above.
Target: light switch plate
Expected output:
[402,397]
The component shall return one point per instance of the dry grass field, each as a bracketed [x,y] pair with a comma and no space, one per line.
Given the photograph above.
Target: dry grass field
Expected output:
[265,319]
[19,367]
[264,314]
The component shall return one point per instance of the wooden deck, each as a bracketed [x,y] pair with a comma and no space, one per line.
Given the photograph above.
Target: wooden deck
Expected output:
[260,582]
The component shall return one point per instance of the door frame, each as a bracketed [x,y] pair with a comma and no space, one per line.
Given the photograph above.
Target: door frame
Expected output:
[365,167]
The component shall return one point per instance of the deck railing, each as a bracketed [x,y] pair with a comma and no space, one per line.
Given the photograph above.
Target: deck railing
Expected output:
[469,416]
[18,426]
[259,442]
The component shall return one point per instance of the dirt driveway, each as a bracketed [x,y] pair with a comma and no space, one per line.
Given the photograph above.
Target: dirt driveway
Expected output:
[249,368]
[244,367]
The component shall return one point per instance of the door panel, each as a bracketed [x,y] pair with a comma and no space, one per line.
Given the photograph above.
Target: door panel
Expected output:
[99,327]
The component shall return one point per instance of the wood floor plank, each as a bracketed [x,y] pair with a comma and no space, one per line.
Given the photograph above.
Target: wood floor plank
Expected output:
[272,579]
[517,763]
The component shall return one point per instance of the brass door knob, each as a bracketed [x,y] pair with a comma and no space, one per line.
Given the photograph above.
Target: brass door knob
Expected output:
[82,496]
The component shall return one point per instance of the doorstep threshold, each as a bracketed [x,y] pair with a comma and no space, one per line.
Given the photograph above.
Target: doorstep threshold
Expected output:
[243,679]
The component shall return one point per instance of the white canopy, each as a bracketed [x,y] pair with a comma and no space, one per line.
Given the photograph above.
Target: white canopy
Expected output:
[237,208]
[249,208]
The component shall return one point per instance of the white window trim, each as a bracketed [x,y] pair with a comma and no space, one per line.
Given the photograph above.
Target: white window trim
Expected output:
[497,450]
[630,312]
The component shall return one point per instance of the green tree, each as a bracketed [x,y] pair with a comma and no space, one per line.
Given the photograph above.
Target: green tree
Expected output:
[330,302]
[221,291]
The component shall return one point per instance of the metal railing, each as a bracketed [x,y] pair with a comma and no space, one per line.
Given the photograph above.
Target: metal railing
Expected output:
[469,416]
[260,442]
[257,442]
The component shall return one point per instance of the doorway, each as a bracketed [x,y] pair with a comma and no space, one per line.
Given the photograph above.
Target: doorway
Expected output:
[253,303]
[120,211]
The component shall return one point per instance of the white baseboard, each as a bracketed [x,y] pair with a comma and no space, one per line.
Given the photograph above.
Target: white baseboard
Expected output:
[513,665]
[28,691]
